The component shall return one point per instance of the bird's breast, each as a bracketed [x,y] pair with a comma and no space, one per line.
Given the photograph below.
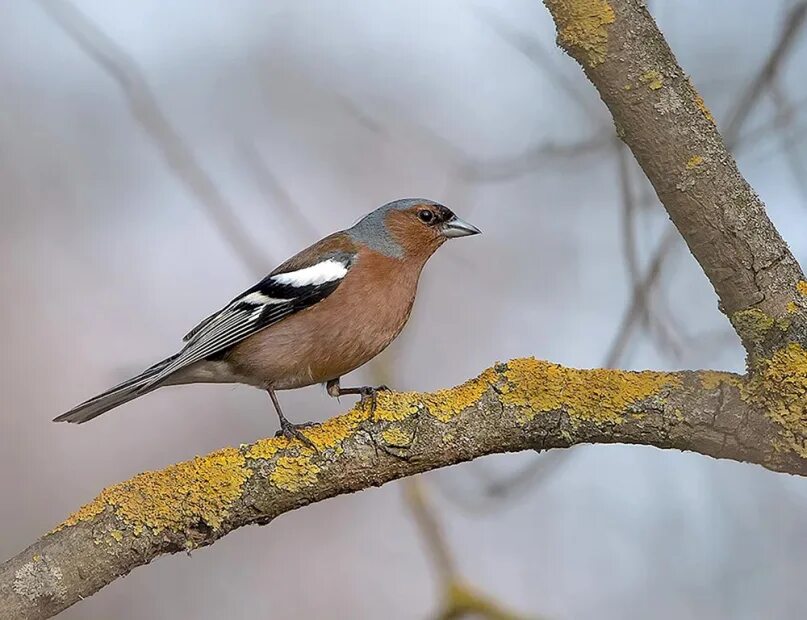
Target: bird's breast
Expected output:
[337,335]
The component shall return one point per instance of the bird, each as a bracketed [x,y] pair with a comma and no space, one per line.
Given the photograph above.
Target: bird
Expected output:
[323,313]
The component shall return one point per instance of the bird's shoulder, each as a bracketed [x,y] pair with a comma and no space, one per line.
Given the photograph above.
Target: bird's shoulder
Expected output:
[338,244]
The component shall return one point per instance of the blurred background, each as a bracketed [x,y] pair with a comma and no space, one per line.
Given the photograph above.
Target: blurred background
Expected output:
[156,158]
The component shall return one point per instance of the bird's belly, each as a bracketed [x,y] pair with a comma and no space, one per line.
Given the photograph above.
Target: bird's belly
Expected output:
[317,345]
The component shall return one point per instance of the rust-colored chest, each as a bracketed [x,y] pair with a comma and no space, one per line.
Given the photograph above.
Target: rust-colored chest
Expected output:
[344,331]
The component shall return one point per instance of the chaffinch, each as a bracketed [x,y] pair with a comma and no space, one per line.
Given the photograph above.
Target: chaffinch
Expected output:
[320,315]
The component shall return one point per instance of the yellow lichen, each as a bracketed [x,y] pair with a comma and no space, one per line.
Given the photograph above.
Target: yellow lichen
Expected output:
[694,162]
[267,448]
[396,436]
[582,24]
[801,287]
[701,105]
[791,307]
[398,406]
[443,404]
[328,435]
[178,497]
[779,387]
[292,473]
[117,535]
[593,395]
[652,79]
[752,324]
[331,433]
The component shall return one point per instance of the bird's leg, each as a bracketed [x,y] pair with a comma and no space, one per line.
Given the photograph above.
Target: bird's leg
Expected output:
[367,393]
[287,429]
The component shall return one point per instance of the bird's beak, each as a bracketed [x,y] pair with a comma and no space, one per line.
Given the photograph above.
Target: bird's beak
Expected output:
[455,227]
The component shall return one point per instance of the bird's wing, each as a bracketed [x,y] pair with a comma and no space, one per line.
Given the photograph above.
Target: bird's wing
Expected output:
[277,296]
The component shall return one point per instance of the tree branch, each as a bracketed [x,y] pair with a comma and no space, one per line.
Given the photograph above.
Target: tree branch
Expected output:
[661,117]
[525,404]
[764,79]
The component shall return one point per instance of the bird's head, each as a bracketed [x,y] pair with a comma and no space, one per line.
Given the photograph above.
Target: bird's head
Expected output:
[410,228]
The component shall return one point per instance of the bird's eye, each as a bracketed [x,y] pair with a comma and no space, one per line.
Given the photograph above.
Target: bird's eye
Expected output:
[425,216]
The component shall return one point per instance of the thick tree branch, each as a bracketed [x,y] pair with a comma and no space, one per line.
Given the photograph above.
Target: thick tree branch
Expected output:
[661,117]
[764,79]
[523,405]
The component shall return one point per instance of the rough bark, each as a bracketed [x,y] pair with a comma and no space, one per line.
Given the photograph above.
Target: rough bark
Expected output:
[523,405]
[661,117]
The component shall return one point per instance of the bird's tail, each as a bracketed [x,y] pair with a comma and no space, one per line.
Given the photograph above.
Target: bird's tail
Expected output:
[123,393]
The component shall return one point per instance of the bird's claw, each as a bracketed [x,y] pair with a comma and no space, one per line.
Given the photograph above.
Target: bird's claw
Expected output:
[370,394]
[292,431]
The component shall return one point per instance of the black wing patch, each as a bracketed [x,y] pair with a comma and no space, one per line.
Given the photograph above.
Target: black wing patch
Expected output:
[271,300]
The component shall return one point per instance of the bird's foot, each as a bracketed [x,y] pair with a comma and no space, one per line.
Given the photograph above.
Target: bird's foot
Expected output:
[293,431]
[369,395]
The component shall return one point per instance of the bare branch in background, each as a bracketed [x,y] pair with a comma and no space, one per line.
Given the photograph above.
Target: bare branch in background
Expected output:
[146,110]
[766,76]
[791,144]
[629,212]
[530,160]
[494,493]
[430,530]
[641,291]
[764,129]
[276,194]
[358,114]
[459,599]
[533,49]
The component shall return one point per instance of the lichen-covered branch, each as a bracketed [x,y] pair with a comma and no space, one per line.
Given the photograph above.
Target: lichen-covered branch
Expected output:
[525,404]
[672,134]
